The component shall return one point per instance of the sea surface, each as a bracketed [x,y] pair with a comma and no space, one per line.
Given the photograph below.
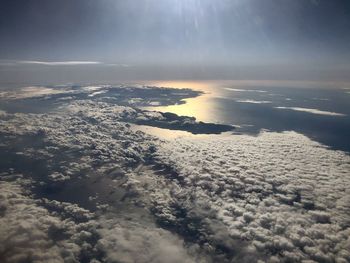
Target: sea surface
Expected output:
[320,111]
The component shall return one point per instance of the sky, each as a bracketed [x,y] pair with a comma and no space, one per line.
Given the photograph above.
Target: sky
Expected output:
[174,39]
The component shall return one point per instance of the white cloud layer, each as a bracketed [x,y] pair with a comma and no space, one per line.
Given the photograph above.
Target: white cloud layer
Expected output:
[287,196]
[277,197]
[30,233]
[134,242]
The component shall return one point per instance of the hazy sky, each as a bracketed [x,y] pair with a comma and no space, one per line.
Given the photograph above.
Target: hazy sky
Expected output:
[152,39]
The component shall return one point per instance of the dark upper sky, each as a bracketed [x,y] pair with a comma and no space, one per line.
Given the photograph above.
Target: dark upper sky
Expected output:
[282,39]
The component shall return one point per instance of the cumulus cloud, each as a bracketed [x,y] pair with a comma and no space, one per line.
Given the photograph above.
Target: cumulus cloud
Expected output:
[30,233]
[3,113]
[133,242]
[281,193]
[57,178]
[313,111]
[87,138]
[276,197]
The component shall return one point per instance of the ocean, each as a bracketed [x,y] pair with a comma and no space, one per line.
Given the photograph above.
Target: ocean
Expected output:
[318,111]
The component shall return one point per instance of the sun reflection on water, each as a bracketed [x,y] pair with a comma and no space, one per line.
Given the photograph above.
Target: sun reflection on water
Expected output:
[200,107]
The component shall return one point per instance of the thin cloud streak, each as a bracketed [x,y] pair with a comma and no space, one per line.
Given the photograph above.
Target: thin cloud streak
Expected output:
[59,63]
[313,111]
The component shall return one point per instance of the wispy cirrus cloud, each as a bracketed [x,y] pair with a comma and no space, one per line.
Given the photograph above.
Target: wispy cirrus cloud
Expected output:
[12,63]
[59,63]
